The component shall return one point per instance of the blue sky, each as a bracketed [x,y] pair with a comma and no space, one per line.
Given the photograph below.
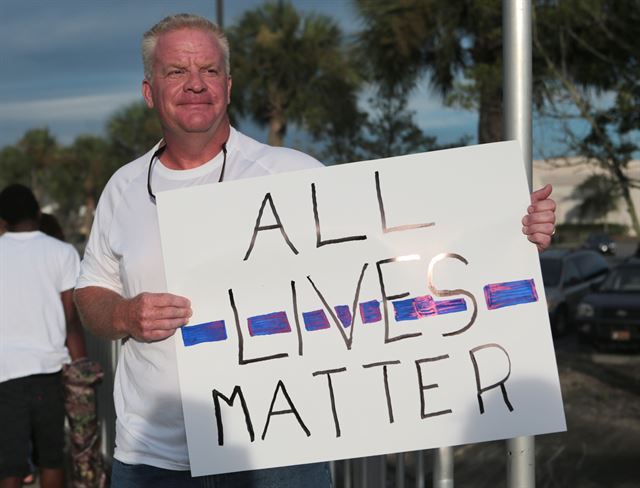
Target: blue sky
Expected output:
[69,64]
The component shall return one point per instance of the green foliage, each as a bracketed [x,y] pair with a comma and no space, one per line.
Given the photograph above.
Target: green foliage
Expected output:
[598,196]
[392,132]
[289,68]
[447,39]
[14,167]
[585,48]
[72,177]
[132,131]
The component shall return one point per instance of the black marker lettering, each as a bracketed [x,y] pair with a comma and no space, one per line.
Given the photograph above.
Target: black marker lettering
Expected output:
[383,215]
[348,340]
[294,297]
[448,293]
[319,241]
[422,387]
[292,410]
[237,392]
[328,372]
[385,378]
[259,228]
[500,383]
[241,359]
[387,298]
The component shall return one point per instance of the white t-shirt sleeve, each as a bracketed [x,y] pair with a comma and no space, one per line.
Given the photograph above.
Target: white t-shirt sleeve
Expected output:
[100,266]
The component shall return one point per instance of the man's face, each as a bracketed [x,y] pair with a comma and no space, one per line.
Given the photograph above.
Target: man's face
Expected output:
[189,88]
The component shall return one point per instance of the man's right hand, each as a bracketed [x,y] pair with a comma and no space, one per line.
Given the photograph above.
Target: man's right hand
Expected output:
[146,317]
[150,317]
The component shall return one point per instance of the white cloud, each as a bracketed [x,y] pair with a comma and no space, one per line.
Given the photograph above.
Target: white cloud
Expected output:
[65,109]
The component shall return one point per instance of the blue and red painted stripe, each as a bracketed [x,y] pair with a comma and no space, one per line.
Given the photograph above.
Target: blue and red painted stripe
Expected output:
[497,295]
[510,293]
[206,332]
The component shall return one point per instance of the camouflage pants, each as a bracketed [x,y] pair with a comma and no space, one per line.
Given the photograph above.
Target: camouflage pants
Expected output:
[80,379]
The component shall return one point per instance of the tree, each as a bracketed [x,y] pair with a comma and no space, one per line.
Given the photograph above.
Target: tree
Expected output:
[292,68]
[132,131]
[457,43]
[598,196]
[40,151]
[14,167]
[83,170]
[590,48]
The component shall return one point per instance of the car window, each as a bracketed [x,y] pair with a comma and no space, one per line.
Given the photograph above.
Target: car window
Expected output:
[591,264]
[623,280]
[551,271]
[571,273]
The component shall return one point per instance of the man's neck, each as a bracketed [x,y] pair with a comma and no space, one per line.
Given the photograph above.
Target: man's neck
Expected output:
[193,150]
[24,226]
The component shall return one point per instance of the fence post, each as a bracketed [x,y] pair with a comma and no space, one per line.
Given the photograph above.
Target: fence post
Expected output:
[347,473]
[443,468]
[420,478]
[400,470]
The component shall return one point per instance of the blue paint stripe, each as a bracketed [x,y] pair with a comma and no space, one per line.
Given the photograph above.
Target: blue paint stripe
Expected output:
[344,314]
[206,332]
[271,323]
[405,310]
[315,320]
[508,294]
[444,307]
[370,312]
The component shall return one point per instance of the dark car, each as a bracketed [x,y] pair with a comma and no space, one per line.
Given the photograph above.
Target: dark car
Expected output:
[568,276]
[600,242]
[611,314]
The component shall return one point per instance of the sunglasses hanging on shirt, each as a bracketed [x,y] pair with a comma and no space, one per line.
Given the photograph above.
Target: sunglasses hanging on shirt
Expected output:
[158,152]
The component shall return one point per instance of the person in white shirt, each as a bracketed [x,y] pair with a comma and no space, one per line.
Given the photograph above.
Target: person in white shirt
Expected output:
[121,292]
[39,333]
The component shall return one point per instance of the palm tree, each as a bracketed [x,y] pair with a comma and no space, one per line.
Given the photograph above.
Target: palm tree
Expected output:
[404,39]
[291,68]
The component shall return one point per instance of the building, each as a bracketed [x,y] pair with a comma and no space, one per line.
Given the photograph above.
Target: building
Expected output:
[566,174]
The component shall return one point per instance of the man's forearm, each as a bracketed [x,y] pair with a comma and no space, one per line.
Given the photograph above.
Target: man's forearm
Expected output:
[75,341]
[98,309]
[75,335]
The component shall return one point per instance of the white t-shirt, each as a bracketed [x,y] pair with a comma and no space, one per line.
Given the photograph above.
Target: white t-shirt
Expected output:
[34,270]
[124,255]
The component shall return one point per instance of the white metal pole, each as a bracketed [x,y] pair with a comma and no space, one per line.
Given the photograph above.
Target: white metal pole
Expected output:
[363,473]
[347,473]
[517,76]
[443,468]
[400,471]
[420,478]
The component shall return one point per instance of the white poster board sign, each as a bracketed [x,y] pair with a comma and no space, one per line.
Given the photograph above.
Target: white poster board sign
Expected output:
[356,310]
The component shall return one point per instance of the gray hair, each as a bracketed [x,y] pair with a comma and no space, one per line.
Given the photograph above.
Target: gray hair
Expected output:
[176,22]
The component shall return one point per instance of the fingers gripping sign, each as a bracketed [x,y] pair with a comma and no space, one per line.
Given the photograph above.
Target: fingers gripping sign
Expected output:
[152,317]
[539,223]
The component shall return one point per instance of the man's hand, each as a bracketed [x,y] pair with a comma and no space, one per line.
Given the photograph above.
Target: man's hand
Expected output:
[150,317]
[539,223]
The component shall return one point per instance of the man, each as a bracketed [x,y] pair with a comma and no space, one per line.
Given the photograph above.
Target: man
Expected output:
[37,316]
[120,293]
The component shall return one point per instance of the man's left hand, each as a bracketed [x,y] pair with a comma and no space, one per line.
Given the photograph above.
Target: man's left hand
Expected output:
[539,223]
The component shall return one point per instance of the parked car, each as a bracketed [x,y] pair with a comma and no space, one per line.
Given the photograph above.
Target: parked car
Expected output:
[568,276]
[611,314]
[600,242]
